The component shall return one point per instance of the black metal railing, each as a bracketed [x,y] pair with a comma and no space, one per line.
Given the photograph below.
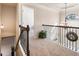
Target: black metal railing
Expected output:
[67,36]
[24,39]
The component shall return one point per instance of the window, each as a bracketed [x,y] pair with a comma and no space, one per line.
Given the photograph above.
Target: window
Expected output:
[72,16]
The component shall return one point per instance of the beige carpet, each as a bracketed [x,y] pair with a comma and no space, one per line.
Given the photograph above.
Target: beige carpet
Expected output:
[42,47]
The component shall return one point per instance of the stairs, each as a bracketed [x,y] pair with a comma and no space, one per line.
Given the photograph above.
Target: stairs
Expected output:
[6,45]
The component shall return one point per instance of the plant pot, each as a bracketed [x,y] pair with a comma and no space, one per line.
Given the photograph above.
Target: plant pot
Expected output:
[42,34]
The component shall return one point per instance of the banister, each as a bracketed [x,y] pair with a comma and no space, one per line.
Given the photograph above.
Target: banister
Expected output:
[61,26]
[22,28]
[63,35]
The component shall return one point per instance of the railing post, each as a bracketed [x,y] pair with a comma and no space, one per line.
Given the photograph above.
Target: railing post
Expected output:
[0,47]
[28,51]
[76,42]
[60,36]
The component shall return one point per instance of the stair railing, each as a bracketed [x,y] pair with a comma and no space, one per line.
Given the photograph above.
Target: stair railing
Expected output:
[68,36]
[22,29]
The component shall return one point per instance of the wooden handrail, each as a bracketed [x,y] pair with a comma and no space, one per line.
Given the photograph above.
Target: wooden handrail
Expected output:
[18,41]
[61,26]
[27,41]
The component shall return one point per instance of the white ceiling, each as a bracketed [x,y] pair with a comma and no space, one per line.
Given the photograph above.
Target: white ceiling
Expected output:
[59,5]
[54,6]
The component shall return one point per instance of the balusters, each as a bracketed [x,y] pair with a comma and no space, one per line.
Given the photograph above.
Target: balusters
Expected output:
[59,36]
[62,39]
[72,46]
[76,41]
[65,31]
[73,42]
[62,36]
[67,39]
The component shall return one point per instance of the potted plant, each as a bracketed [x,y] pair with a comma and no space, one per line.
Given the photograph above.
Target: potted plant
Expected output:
[42,34]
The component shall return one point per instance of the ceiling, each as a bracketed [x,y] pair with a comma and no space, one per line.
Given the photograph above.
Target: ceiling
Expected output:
[59,5]
[54,6]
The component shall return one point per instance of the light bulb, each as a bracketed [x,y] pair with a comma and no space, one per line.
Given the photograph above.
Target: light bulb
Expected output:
[2,26]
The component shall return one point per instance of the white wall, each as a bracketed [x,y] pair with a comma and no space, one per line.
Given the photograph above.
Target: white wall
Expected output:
[27,18]
[8,20]
[43,16]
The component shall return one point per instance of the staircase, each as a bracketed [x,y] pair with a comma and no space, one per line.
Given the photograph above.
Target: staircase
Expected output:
[6,44]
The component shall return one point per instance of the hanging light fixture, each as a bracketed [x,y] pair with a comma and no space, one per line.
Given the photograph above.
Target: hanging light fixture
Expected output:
[72,15]
[65,11]
[2,26]
[65,14]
